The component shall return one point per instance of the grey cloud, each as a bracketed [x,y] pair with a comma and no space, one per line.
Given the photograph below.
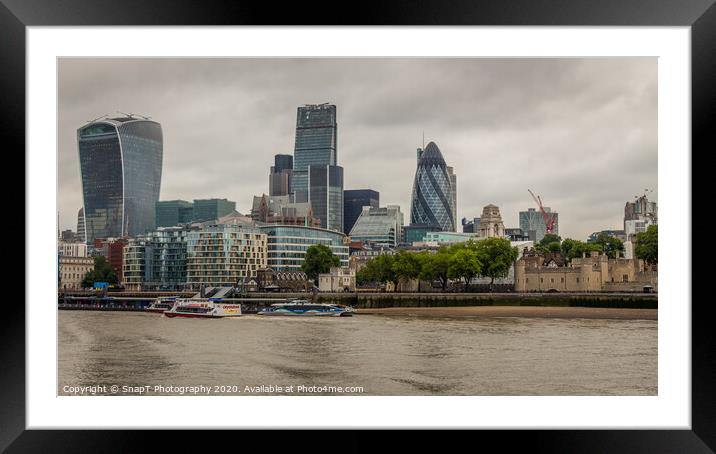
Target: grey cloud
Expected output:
[581,132]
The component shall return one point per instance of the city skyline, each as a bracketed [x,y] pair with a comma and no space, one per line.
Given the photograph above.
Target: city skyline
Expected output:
[579,132]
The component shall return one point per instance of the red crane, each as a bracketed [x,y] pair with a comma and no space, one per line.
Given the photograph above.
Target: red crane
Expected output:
[548,219]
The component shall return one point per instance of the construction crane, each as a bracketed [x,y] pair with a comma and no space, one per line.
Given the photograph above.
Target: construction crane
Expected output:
[548,219]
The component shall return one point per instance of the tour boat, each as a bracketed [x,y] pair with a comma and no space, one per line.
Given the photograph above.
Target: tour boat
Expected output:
[204,308]
[305,308]
[161,304]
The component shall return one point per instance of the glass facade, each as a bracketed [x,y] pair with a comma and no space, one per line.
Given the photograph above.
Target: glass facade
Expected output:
[287,245]
[379,225]
[212,209]
[316,144]
[532,223]
[121,168]
[170,213]
[353,202]
[432,198]
[325,192]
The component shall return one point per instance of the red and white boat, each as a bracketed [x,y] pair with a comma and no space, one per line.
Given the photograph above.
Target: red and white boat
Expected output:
[204,308]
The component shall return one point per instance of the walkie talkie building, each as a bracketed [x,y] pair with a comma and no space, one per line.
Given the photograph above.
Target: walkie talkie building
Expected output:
[432,200]
[121,169]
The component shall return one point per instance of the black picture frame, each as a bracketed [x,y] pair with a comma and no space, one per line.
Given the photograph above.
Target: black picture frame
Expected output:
[700,15]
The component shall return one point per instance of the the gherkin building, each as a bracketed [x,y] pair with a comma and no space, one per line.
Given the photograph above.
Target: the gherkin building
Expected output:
[432,201]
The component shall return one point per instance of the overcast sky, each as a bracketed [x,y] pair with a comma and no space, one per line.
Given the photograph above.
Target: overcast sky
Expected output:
[582,133]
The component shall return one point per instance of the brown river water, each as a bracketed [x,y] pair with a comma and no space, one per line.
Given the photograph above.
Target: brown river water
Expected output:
[134,353]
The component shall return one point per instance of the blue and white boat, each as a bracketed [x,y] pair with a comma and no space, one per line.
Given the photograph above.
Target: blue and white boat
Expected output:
[305,308]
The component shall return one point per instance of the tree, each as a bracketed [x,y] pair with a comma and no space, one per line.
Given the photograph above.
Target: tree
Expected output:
[497,256]
[319,259]
[549,243]
[436,266]
[407,265]
[647,245]
[378,269]
[610,245]
[102,272]
[464,264]
[573,249]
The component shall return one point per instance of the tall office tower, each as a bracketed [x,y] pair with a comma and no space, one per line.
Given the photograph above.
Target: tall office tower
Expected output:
[432,201]
[533,225]
[280,176]
[453,192]
[316,144]
[121,168]
[325,192]
[81,226]
[353,202]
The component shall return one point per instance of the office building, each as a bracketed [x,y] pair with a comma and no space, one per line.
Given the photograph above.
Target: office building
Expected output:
[453,193]
[381,226]
[416,232]
[533,225]
[353,202]
[280,176]
[121,169]
[316,145]
[432,197]
[212,209]
[325,193]
[287,245]
[470,226]
[170,213]
[81,237]
[516,235]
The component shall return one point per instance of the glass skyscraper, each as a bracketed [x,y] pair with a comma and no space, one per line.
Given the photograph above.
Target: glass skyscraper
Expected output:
[325,193]
[316,144]
[121,168]
[432,200]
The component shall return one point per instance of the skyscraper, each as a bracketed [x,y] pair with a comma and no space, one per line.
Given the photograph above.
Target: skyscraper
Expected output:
[353,202]
[81,226]
[432,199]
[533,225]
[280,176]
[325,193]
[316,144]
[211,209]
[121,168]
[453,192]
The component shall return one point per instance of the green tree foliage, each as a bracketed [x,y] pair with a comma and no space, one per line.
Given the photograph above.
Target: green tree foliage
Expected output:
[550,243]
[319,259]
[102,272]
[646,247]
[609,245]
[436,266]
[408,265]
[378,269]
[574,249]
[464,264]
[497,256]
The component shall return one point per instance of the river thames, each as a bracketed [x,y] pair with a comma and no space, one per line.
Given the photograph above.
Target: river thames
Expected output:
[135,353]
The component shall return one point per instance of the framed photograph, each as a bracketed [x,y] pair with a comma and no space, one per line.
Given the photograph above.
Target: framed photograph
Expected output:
[413,217]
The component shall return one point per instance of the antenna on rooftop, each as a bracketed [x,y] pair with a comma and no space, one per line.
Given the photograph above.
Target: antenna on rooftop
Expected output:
[423,140]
